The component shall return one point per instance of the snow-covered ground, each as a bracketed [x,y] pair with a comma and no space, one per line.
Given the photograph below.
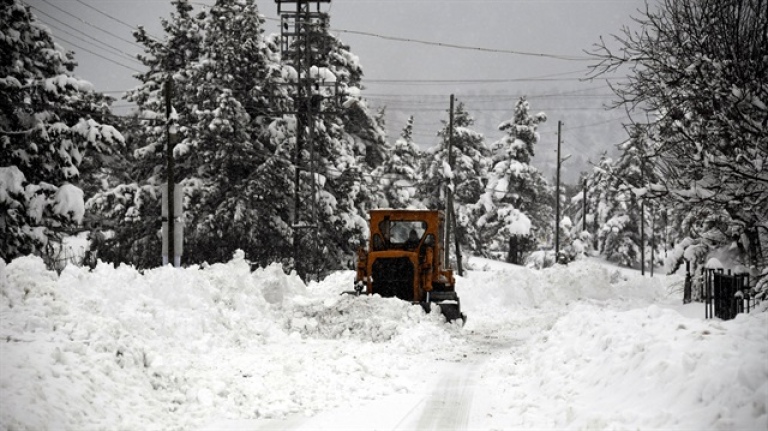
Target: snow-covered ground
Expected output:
[584,346]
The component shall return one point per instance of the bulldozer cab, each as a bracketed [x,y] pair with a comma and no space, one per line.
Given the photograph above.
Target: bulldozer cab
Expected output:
[399,234]
[405,259]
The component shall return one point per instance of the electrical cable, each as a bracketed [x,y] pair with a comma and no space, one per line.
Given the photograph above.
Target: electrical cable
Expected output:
[115,51]
[107,15]
[528,96]
[100,56]
[89,24]
[575,108]
[465,47]
[450,45]
[584,126]
[422,82]
[132,27]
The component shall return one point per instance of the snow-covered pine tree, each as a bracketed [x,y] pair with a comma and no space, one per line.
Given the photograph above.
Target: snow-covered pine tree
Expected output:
[365,127]
[131,209]
[237,179]
[598,196]
[466,177]
[619,235]
[167,61]
[514,210]
[348,144]
[50,121]
[398,177]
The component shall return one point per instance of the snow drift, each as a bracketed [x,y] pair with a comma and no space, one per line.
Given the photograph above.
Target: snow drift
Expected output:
[576,347]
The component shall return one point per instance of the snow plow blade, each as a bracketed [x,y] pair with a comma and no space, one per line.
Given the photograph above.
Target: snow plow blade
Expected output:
[452,312]
[449,304]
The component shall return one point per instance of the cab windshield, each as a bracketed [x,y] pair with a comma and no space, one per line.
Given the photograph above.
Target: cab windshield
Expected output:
[403,233]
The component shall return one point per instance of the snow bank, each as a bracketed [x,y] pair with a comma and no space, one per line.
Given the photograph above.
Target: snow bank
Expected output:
[647,368]
[583,346]
[509,287]
[169,348]
[94,349]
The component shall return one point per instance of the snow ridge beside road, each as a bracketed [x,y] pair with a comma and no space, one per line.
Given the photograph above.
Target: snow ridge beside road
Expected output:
[585,346]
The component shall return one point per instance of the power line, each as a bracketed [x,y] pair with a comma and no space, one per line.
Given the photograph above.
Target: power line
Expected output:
[547,77]
[575,108]
[528,96]
[450,45]
[418,98]
[132,27]
[89,24]
[465,47]
[473,98]
[465,81]
[584,126]
[115,51]
[389,101]
[100,56]
[106,15]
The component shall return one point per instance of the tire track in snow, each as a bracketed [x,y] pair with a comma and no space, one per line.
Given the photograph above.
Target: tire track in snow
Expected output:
[447,408]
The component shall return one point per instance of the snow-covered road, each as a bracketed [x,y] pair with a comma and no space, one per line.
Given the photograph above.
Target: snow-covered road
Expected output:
[442,400]
[586,346]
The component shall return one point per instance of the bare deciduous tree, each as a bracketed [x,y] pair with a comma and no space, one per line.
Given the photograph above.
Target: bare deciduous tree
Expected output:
[699,78]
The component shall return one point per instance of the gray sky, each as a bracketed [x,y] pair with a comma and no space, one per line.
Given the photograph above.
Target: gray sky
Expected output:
[413,78]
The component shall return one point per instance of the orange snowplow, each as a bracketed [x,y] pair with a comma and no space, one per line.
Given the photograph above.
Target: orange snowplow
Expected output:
[405,258]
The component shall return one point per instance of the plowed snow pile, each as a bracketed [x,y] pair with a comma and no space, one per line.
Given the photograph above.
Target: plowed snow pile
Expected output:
[579,347]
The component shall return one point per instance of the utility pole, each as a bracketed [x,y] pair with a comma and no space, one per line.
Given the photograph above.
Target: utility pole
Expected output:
[169,170]
[653,241]
[642,237]
[557,195]
[297,25]
[449,195]
[666,221]
[584,207]
[642,220]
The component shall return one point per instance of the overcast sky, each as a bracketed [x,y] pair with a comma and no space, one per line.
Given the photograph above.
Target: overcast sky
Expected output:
[413,77]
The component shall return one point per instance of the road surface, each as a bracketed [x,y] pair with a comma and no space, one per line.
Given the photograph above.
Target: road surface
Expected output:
[446,401]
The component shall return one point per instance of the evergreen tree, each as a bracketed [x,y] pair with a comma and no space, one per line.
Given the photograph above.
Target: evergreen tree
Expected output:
[620,234]
[237,155]
[131,209]
[232,169]
[234,155]
[515,206]
[167,61]
[349,143]
[470,164]
[599,196]
[398,177]
[50,123]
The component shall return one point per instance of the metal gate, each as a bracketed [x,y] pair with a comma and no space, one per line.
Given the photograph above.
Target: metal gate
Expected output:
[725,294]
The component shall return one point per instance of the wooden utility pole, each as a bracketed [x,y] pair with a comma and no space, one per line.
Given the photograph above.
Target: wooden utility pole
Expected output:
[642,237]
[557,195]
[448,195]
[451,211]
[169,170]
[642,221]
[653,242]
[584,207]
